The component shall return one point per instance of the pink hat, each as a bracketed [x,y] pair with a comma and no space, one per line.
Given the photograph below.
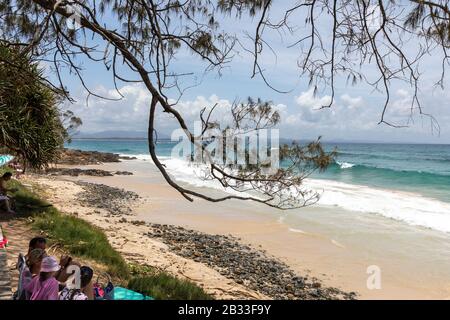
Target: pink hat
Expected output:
[49,264]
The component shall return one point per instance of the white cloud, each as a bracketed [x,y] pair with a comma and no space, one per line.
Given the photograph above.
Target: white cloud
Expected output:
[128,113]
[132,110]
[292,119]
[190,109]
[350,117]
[402,93]
[348,113]
[352,103]
[307,99]
[311,109]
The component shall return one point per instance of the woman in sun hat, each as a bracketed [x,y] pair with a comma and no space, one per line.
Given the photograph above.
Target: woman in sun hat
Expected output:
[45,287]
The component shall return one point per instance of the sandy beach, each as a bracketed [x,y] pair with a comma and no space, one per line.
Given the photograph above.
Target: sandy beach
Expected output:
[326,246]
[127,239]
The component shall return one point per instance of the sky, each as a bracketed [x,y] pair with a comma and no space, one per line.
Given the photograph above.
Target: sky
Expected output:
[354,115]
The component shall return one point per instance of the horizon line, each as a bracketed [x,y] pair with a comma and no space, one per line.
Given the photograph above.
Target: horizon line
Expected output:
[291,139]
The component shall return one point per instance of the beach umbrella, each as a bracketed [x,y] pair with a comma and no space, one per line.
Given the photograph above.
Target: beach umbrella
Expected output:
[4,159]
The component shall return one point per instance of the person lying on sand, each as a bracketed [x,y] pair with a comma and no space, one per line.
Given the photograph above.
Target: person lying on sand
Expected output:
[4,198]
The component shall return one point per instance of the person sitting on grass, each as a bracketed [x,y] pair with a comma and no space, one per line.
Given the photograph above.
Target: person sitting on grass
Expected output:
[61,275]
[34,260]
[65,262]
[4,191]
[45,286]
[37,243]
[23,262]
[31,270]
[65,276]
[17,167]
[85,286]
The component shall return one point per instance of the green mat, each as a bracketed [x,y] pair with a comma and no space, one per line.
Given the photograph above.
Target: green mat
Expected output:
[125,294]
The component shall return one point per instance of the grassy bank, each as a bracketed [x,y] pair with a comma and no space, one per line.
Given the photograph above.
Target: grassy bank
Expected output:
[163,286]
[84,240]
[77,236]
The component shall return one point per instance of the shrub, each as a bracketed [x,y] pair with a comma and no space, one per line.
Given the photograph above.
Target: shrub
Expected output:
[163,286]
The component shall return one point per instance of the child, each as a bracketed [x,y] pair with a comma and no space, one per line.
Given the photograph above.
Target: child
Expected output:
[45,286]
[86,275]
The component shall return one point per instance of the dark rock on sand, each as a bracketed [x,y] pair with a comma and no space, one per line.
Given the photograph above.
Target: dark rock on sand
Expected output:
[75,172]
[127,158]
[79,157]
[113,200]
[245,265]
[250,267]
[123,173]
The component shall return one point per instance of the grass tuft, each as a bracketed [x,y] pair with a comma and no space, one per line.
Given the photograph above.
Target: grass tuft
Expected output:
[163,286]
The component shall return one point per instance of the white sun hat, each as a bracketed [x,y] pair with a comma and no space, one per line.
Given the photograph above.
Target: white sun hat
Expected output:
[49,264]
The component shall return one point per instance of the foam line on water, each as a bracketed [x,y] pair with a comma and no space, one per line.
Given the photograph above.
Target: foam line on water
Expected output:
[345,165]
[195,175]
[144,157]
[297,230]
[411,208]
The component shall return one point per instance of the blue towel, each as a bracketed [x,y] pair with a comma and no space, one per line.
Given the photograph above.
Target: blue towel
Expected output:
[4,159]
[125,294]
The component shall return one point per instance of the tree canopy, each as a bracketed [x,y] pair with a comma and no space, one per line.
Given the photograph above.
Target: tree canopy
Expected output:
[333,38]
[30,122]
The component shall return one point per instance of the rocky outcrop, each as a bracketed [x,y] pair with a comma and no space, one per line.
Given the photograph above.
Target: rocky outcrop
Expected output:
[79,157]
[75,172]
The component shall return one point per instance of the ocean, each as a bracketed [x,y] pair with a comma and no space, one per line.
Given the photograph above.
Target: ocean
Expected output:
[409,183]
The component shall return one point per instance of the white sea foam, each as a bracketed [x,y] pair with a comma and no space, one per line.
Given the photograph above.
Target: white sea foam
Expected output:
[195,174]
[345,165]
[144,157]
[411,208]
[297,230]
[337,244]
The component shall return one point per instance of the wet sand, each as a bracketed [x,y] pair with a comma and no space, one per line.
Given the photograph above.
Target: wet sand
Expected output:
[333,245]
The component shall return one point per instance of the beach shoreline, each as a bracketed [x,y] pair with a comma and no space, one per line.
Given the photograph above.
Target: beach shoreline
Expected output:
[330,260]
[222,265]
[125,235]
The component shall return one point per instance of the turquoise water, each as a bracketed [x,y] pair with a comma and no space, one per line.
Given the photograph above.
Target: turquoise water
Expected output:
[423,169]
[383,204]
